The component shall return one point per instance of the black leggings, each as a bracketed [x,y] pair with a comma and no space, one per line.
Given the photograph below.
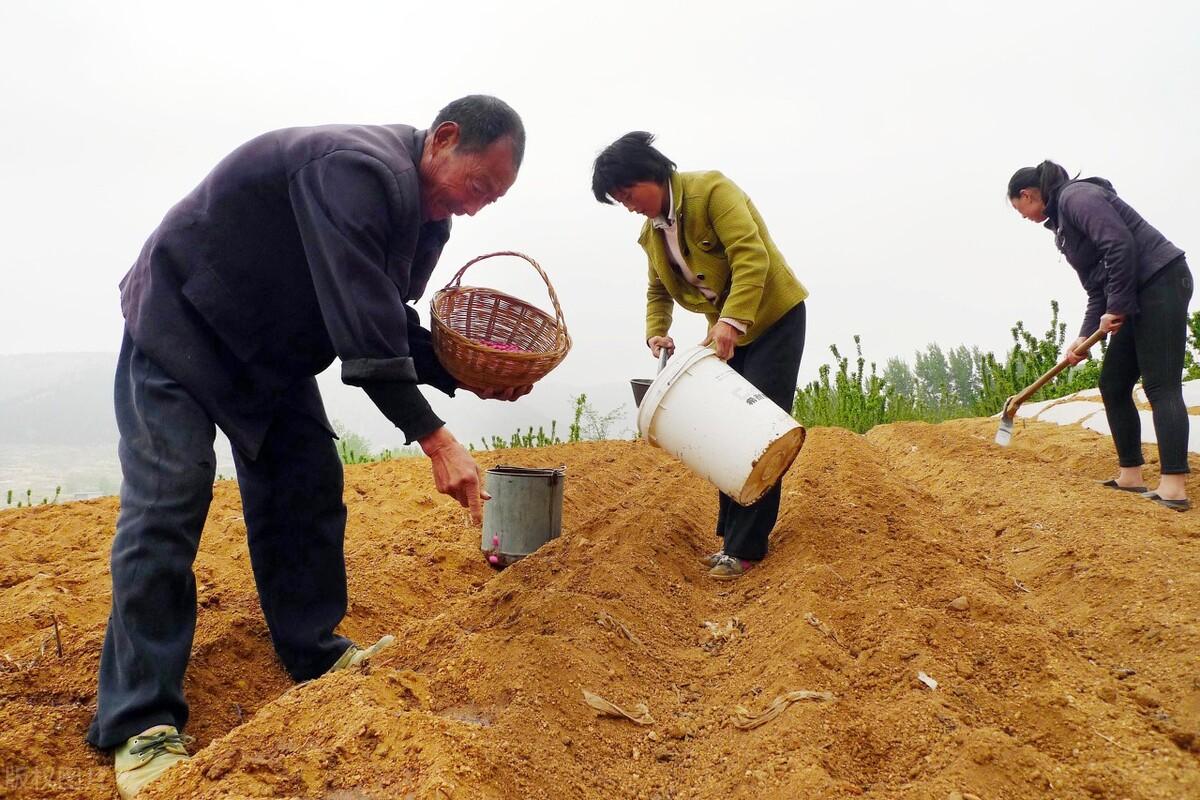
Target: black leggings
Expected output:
[1150,345]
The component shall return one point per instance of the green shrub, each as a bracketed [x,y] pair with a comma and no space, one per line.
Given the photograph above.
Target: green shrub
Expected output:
[526,439]
[941,384]
[587,424]
[1191,358]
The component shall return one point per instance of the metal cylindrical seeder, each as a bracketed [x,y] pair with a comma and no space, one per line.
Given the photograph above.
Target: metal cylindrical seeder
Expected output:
[524,513]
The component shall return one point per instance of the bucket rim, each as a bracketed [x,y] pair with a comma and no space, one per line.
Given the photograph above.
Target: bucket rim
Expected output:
[514,471]
[676,366]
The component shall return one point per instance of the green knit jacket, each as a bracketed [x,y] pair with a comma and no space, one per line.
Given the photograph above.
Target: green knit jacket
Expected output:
[726,245]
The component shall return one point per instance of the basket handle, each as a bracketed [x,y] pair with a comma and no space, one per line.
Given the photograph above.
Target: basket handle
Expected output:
[456,281]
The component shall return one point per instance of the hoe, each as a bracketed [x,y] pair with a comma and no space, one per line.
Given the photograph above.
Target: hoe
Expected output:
[1004,434]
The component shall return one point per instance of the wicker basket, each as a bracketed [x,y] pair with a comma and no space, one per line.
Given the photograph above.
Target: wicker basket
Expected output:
[462,315]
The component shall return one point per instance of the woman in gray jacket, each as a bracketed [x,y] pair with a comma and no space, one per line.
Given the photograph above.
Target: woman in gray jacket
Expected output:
[1138,286]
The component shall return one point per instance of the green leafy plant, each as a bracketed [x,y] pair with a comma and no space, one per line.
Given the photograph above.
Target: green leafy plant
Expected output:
[527,439]
[587,424]
[354,448]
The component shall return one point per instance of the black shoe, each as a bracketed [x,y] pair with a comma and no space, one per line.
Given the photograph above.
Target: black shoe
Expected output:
[1115,485]
[1174,505]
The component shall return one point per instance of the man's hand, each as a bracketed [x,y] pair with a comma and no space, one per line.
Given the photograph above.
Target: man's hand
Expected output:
[455,473]
[658,343]
[1074,358]
[1111,323]
[509,394]
[723,338]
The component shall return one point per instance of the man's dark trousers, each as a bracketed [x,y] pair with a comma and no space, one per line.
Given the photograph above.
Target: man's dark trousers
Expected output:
[771,363]
[295,524]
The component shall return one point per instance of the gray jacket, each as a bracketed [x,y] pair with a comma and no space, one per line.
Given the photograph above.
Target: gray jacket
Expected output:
[1114,251]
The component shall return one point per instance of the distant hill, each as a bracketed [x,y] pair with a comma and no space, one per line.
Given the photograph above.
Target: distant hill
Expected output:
[57,399]
[57,425]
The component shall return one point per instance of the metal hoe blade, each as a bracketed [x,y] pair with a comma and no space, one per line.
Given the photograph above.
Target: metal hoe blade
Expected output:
[1005,432]
[1007,412]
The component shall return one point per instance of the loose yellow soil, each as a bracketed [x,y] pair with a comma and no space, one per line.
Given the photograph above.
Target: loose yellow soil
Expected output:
[1061,621]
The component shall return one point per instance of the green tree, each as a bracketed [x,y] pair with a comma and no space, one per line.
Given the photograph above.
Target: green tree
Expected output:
[899,377]
[933,375]
[964,381]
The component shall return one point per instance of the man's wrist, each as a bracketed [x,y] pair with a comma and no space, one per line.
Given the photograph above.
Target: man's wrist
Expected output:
[438,439]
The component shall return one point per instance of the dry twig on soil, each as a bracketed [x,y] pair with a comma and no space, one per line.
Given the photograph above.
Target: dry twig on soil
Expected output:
[1114,742]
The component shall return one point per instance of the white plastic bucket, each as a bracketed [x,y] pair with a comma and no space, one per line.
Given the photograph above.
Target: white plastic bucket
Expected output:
[718,424]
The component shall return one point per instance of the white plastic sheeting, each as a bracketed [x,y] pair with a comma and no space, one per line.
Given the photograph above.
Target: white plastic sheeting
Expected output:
[1085,409]
[1031,410]
[1070,412]
[1191,394]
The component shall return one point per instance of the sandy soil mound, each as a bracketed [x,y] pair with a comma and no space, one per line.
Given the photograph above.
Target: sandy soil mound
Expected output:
[1059,619]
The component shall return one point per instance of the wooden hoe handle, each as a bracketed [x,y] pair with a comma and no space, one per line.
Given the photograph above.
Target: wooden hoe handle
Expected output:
[1011,406]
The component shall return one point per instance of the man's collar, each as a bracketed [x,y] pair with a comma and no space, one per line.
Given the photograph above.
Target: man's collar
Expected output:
[418,150]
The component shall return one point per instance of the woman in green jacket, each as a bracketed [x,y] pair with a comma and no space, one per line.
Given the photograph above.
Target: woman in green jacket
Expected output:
[709,251]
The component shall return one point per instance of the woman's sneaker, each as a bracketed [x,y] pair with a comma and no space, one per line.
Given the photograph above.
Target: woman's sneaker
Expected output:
[727,568]
[147,756]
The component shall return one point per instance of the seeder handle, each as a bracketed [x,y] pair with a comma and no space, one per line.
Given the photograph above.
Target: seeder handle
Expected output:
[1011,407]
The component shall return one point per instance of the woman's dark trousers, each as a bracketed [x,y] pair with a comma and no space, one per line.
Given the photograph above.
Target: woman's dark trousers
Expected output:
[1150,345]
[772,364]
[295,523]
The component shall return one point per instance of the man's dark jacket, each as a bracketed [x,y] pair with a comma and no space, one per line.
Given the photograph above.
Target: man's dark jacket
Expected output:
[1114,251]
[301,246]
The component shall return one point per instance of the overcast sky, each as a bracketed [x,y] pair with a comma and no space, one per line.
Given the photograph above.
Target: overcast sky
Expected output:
[875,138]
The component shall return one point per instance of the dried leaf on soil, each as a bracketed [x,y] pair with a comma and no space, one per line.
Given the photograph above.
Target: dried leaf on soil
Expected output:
[743,719]
[609,622]
[640,713]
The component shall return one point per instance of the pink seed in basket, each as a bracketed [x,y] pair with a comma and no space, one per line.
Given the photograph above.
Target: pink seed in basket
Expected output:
[501,346]
[493,559]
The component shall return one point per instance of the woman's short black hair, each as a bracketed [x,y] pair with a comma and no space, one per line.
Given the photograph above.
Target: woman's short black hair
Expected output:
[629,160]
[1047,177]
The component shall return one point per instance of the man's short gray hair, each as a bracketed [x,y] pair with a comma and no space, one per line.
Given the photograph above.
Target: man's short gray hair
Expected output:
[483,119]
